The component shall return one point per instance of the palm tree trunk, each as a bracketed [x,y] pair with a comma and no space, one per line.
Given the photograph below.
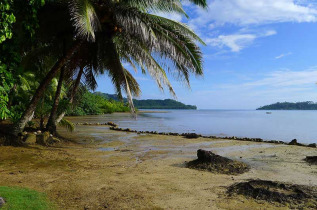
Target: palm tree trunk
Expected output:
[19,127]
[51,123]
[73,93]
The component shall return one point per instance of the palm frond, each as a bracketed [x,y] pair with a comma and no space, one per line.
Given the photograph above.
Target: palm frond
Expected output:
[84,18]
[67,124]
[202,3]
[157,5]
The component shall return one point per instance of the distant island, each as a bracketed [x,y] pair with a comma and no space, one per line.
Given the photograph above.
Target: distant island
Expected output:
[151,103]
[307,105]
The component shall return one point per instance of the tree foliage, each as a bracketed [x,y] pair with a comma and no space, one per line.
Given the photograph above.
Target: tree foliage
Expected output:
[307,105]
[161,104]
[7,19]
[92,104]
[40,37]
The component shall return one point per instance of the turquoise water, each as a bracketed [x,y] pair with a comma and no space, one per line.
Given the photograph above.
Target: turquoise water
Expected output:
[279,125]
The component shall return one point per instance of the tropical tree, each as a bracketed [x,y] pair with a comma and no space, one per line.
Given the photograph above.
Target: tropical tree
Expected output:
[88,66]
[125,31]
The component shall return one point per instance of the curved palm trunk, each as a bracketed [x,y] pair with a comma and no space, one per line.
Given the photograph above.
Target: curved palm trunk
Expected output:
[72,95]
[51,123]
[19,127]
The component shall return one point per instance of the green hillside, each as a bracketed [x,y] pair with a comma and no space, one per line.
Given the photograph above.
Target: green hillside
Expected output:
[151,103]
[307,105]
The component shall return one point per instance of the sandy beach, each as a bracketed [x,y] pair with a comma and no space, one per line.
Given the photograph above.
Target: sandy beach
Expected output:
[102,169]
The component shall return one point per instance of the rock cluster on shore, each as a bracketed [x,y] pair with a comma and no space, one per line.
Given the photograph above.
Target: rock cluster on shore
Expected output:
[194,135]
[107,123]
[39,137]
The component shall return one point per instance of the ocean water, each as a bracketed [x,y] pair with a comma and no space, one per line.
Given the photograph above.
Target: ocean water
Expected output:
[279,125]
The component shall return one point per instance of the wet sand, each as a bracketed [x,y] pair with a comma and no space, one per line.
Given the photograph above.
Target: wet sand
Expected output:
[119,170]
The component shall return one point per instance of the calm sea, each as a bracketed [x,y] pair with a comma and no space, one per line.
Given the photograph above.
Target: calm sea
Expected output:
[279,125]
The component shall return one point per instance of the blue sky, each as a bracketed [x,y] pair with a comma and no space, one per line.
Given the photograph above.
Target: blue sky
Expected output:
[258,52]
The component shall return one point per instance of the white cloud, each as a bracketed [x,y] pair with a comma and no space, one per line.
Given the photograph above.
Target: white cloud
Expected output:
[236,42]
[283,55]
[246,12]
[277,86]
[270,33]
[287,78]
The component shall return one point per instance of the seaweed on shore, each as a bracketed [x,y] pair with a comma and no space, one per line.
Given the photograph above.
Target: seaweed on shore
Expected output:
[216,163]
[311,159]
[293,196]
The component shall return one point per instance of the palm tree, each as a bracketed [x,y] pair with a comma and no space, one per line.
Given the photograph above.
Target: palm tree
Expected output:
[127,31]
[89,65]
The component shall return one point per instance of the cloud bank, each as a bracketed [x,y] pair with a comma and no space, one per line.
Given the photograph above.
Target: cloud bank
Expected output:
[247,14]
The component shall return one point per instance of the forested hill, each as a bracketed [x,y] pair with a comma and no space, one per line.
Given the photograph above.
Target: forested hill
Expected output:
[307,105]
[161,104]
[151,103]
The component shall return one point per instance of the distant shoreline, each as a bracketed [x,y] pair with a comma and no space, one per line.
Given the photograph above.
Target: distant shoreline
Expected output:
[151,111]
[307,105]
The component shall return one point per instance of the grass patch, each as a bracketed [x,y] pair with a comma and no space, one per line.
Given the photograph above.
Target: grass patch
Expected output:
[22,198]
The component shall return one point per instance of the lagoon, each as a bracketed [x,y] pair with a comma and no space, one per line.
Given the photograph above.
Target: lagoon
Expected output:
[279,125]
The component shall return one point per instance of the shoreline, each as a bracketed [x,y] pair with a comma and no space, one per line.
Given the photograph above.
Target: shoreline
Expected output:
[146,171]
[195,135]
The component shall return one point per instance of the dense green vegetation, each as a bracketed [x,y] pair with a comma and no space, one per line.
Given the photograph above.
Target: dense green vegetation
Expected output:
[161,104]
[150,103]
[21,198]
[307,105]
[51,52]
[93,104]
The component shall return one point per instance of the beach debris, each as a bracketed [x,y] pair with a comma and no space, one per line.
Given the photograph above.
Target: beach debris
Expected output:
[2,202]
[311,159]
[216,163]
[294,196]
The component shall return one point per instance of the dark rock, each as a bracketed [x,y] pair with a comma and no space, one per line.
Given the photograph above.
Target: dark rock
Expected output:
[293,142]
[311,159]
[2,202]
[216,163]
[112,124]
[191,135]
